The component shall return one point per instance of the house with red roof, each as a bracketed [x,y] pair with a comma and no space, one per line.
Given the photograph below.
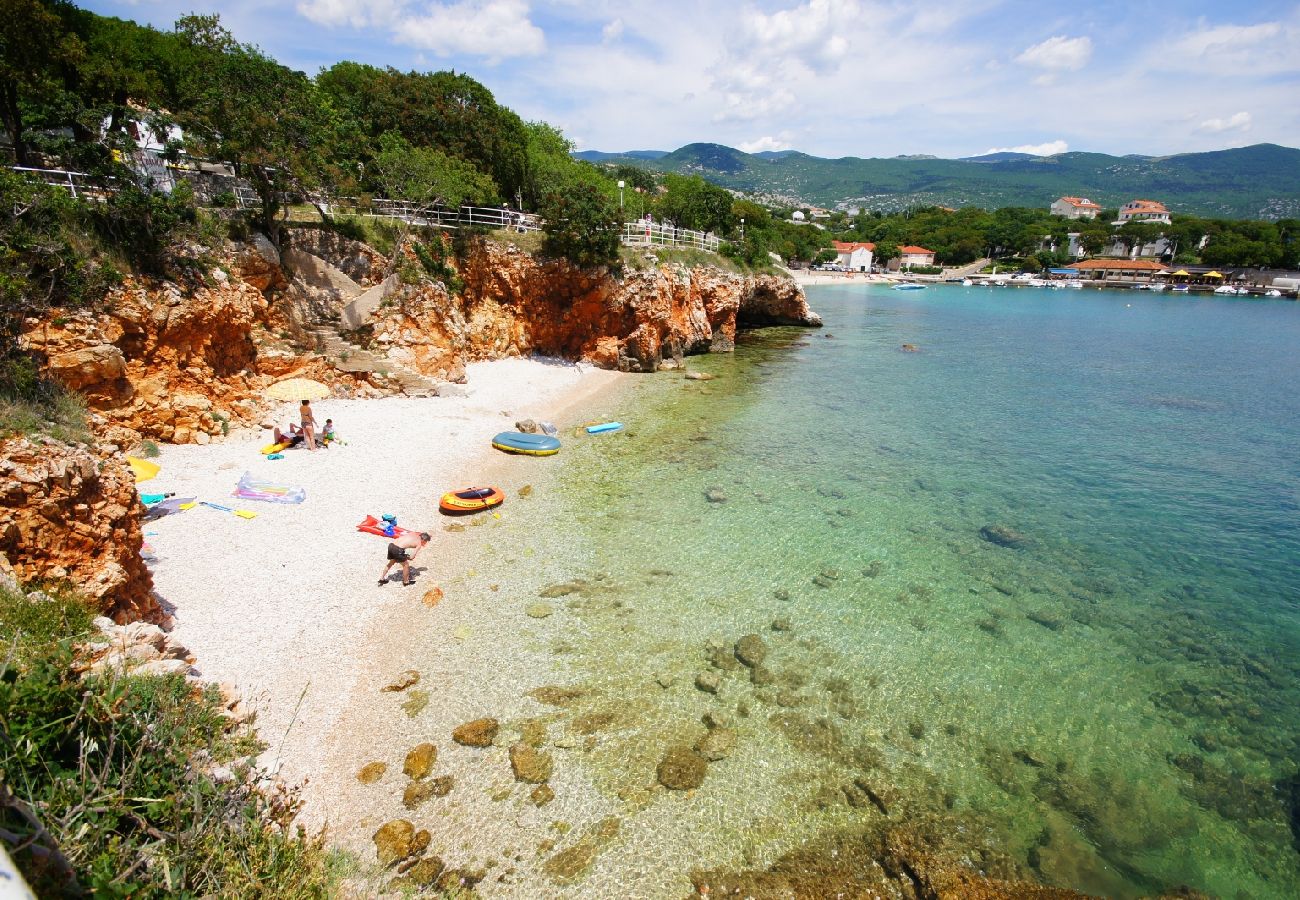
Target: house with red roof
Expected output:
[1076,208]
[855,256]
[1143,211]
[915,256]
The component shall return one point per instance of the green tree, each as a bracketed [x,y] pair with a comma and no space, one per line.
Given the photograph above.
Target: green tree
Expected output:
[581,226]
[36,50]
[885,251]
[425,175]
[692,202]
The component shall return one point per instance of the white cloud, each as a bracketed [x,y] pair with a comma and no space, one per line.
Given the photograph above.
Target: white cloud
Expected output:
[766,143]
[1058,54]
[1050,148]
[612,32]
[356,13]
[1235,122]
[495,29]
[1228,38]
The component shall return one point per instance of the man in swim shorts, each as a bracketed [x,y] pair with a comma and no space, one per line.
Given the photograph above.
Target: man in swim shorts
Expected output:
[398,553]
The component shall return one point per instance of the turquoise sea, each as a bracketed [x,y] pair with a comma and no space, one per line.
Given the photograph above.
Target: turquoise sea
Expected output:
[1036,581]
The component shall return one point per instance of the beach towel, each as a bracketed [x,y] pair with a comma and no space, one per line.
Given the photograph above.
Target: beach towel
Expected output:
[252,488]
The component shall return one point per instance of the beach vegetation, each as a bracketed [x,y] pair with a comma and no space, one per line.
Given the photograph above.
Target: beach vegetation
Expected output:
[582,226]
[133,785]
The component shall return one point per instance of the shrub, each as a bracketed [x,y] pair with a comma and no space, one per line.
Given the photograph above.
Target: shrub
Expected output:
[107,786]
[149,450]
[581,226]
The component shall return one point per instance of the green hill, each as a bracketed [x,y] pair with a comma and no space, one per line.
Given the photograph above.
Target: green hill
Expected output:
[1257,182]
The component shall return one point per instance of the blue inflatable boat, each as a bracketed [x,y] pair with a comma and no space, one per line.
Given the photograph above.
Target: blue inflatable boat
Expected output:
[531,444]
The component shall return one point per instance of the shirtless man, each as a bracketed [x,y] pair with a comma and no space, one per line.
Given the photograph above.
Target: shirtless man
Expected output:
[398,553]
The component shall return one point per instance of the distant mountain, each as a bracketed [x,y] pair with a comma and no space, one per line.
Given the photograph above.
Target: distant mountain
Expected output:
[1261,181]
[641,155]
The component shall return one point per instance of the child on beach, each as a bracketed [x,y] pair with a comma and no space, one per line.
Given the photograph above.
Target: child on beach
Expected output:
[397,553]
[327,434]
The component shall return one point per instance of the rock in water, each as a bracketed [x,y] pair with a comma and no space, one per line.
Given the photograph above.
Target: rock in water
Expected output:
[709,682]
[542,795]
[539,610]
[717,744]
[415,702]
[418,792]
[715,495]
[681,769]
[751,650]
[407,679]
[393,841]
[479,733]
[530,765]
[1004,536]
[419,762]
[372,772]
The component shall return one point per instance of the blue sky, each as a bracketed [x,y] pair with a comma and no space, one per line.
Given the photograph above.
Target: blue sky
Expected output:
[828,77]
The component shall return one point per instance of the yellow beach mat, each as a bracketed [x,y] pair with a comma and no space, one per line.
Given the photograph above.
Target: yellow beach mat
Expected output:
[143,468]
[273,448]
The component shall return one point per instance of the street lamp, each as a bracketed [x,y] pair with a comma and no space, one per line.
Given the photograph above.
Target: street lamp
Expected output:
[742,229]
[620,198]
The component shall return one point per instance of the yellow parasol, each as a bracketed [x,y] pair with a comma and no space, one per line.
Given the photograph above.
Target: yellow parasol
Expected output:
[297,389]
[1181,273]
[143,469]
[1213,274]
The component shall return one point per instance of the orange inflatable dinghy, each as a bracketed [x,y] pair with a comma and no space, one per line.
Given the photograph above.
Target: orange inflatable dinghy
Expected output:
[471,499]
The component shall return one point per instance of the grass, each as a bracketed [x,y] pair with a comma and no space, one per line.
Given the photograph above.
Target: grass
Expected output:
[529,241]
[108,779]
[62,417]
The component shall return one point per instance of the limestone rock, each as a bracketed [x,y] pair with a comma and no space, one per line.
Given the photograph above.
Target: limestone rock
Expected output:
[372,772]
[542,795]
[478,733]
[393,841]
[717,744]
[407,679]
[418,792]
[751,650]
[1004,536]
[530,765]
[419,762]
[709,682]
[681,769]
[539,610]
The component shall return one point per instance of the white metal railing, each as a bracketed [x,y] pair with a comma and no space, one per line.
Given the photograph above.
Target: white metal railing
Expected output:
[643,234]
[64,178]
[441,216]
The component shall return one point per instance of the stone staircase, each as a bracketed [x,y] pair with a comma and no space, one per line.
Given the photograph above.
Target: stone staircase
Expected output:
[348,357]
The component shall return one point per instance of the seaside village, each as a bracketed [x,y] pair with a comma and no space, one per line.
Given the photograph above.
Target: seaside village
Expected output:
[294,578]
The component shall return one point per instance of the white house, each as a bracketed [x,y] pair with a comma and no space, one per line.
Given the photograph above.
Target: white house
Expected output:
[915,256]
[1076,208]
[1143,211]
[855,256]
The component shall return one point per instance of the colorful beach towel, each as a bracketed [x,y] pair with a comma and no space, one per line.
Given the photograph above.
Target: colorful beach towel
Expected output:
[252,488]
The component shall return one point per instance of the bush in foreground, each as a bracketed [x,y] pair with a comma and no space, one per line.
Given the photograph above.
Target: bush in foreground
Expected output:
[110,784]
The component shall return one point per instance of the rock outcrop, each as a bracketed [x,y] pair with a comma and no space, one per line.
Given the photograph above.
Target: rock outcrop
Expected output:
[68,513]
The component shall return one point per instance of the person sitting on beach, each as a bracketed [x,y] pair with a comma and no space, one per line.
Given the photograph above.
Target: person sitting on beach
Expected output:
[292,437]
[327,433]
[397,553]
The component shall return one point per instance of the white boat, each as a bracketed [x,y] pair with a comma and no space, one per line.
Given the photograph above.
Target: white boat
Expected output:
[1160,286]
[966,282]
[909,286]
[1272,292]
[1179,289]
[1075,284]
[1225,289]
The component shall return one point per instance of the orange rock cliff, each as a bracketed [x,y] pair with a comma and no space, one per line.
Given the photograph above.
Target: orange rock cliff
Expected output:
[159,361]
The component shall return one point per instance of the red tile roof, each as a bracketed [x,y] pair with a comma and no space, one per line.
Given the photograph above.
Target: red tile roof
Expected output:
[850,246]
[914,250]
[1145,206]
[1080,202]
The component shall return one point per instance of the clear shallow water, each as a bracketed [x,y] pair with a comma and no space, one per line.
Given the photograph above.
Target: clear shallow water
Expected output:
[1112,702]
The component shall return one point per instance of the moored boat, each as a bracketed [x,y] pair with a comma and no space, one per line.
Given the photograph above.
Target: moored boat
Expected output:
[470,500]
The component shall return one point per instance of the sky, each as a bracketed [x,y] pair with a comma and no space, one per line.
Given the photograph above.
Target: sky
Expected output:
[831,78]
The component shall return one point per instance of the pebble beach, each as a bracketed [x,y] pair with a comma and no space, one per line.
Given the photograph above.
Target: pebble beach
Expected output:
[283,606]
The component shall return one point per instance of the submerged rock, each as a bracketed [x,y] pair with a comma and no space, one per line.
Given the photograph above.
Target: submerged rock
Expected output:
[751,650]
[572,862]
[538,610]
[1004,536]
[372,772]
[681,769]
[415,702]
[407,679]
[393,841]
[562,589]
[709,682]
[530,765]
[715,495]
[418,792]
[419,762]
[542,795]
[479,733]
[717,744]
